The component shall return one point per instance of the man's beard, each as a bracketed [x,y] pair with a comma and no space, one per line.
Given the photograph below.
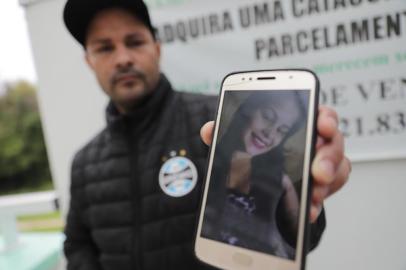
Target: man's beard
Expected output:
[129,71]
[137,96]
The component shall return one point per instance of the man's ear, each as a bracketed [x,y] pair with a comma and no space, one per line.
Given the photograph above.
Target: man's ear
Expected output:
[158,48]
[88,60]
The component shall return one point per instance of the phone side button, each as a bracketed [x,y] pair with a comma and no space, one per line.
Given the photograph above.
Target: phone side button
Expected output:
[242,259]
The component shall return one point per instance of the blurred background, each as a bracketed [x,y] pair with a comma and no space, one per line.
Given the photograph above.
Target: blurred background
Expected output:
[30,221]
[49,109]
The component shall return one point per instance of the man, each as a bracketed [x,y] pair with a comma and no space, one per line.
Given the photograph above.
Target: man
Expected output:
[122,216]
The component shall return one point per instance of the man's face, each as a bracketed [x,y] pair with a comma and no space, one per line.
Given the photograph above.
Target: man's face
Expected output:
[123,54]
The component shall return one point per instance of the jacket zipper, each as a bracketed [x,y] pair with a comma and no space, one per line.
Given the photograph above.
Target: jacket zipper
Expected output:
[136,255]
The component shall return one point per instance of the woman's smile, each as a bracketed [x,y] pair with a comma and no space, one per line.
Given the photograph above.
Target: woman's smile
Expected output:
[259,142]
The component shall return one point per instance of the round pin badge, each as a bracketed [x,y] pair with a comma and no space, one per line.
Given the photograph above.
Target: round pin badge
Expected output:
[178,176]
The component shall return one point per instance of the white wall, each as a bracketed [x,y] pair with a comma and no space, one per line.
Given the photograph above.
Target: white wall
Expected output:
[366,220]
[72,106]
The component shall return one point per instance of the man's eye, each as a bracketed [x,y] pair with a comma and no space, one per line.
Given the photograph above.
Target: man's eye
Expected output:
[104,49]
[134,43]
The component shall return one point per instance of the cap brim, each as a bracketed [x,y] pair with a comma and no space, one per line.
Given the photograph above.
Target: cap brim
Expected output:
[78,14]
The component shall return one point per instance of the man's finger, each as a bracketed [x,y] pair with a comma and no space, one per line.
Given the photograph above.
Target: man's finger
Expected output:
[206,132]
[315,210]
[327,123]
[320,142]
[328,159]
[319,193]
[342,176]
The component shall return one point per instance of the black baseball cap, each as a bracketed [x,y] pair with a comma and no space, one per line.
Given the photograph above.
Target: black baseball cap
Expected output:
[78,14]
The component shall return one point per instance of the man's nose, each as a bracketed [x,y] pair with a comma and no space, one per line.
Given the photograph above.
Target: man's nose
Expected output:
[123,57]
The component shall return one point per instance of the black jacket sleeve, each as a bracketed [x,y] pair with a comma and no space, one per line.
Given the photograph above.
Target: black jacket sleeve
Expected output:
[316,230]
[79,248]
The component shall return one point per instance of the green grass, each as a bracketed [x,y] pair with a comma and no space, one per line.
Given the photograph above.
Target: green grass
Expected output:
[45,230]
[51,215]
[51,222]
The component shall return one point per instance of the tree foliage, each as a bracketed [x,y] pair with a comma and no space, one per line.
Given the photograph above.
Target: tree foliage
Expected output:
[23,159]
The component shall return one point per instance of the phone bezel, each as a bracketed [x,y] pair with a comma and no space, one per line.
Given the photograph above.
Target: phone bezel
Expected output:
[220,254]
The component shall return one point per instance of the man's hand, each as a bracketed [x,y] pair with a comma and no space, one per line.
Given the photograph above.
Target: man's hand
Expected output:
[330,168]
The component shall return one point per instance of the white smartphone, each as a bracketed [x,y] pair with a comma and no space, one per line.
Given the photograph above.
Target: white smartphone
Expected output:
[255,205]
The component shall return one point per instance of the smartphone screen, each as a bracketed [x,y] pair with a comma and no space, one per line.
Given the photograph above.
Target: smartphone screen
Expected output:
[254,194]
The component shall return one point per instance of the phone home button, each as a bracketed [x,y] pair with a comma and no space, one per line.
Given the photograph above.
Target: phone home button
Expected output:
[242,259]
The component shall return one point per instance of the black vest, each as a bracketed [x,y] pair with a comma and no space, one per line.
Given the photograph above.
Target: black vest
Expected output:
[119,217]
